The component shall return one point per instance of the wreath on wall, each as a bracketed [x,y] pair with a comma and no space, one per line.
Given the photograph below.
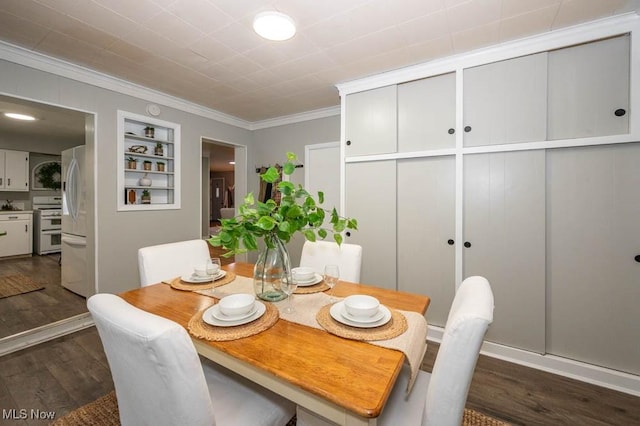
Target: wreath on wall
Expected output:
[48,175]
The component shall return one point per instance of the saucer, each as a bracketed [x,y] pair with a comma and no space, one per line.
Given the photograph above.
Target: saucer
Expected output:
[210,316]
[315,280]
[363,320]
[194,279]
[339,314]
[222,317]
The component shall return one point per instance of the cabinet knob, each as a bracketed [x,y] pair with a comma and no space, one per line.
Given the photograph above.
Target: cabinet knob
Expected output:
[452,131]
[467,244]
[348,234]
[348,143]
[620,112]
[450,242]
[467,129]
[637,258]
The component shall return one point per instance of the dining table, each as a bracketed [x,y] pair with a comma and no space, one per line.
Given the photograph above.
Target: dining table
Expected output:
[330,378]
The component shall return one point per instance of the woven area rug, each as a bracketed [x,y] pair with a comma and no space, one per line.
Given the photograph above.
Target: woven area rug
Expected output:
[104,412]
[12,285]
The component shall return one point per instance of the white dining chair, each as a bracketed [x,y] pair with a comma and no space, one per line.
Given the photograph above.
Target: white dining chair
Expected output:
[160,380]
[439,398]
[166,261]
[348,257]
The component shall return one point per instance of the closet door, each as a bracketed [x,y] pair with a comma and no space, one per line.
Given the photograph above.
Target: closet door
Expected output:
[427,113]
[371,199]
[504,240]
[371,123]
[594,255]
[506,102]
[594,100]
[426,232]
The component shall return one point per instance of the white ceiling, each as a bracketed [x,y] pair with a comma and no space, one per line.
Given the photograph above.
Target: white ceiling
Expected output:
[205,51]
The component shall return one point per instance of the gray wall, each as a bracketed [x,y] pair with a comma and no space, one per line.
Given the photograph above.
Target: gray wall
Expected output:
[270,147]
[115,235]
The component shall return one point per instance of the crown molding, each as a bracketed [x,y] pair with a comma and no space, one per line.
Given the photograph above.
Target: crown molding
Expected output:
[296,118]
[39,61]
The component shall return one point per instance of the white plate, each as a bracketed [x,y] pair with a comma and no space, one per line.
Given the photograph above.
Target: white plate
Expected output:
[337,311]
[316,279]
[194,279]
[362,320]
[210,318]
[217,313]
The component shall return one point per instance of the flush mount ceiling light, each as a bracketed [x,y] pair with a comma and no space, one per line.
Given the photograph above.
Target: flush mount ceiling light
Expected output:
[17,116]
[274,26]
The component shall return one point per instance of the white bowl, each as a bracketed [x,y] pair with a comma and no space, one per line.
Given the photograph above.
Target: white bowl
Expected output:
[201,272]
[303,273]
[362,306]
[237,304]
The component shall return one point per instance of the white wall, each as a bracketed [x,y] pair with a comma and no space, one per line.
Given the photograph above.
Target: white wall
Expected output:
[118,235]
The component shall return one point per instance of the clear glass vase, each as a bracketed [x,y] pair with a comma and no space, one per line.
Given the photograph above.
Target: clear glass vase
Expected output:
[272,267]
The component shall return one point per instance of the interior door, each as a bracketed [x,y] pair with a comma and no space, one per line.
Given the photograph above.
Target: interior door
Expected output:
[504,241]
[594,255]
[216,197]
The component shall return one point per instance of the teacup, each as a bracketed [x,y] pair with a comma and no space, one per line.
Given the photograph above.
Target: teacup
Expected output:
[361,306]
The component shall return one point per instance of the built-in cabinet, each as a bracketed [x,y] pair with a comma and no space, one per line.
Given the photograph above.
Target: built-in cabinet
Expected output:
[16,232]
[14,170]
[482,171]
[148,163]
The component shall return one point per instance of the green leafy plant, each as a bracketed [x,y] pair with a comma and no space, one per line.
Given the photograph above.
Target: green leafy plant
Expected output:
[49,175]
[135,160]
[298,211]
[145,193]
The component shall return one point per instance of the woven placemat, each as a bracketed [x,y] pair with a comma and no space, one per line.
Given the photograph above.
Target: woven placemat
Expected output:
[200,329]
[178,284]
[395,327]
[316,288]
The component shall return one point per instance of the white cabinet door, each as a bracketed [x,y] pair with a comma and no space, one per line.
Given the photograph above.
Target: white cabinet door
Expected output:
[16,171]
[371,199]
[426,232]
[15,237]
[504,233]
[506,102]
[594,244]
[589,89]
[3,181]
[427,113]
[371,124]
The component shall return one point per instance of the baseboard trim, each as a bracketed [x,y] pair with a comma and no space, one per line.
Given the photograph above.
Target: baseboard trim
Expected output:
[44,333]
[600,376]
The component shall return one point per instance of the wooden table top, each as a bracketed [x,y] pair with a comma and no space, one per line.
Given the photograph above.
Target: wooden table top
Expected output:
[354,375]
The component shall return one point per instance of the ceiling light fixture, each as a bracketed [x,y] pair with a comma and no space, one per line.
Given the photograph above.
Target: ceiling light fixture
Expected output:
[232,162]
[17,116]
[274,26]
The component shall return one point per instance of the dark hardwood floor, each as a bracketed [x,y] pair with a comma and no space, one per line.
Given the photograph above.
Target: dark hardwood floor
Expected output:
[68,372]
[30,310]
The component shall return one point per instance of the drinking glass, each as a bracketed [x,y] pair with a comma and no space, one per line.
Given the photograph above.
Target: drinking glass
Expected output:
[211,266]
[289,286]
[331,276]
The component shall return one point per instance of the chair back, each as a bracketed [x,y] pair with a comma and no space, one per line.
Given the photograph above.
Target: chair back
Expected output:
[469,317]
[348,257]
[166,261]
[156,370]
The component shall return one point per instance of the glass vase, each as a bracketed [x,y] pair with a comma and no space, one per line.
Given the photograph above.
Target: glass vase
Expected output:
[272,267]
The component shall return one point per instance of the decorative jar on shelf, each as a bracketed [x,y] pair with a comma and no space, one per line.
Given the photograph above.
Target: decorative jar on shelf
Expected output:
[146,197]
[159,150]
[149,131]
[147,165]
[144,180]
[160,166]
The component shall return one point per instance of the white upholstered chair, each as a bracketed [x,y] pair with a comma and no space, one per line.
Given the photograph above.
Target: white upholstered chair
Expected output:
[166,261]
[160,380]
[439,398]
[227,212]
[348,257]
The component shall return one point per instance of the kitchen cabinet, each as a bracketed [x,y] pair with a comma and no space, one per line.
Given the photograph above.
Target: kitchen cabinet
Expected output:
[371,127]
[148,163]
[506,101]
[504,241]
[594,255]
[594,101]
[14,170]
[427,113]
[426,231]
[16,232]
[370,191]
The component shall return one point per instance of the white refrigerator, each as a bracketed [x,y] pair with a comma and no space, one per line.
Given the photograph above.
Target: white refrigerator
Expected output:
[74,222]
